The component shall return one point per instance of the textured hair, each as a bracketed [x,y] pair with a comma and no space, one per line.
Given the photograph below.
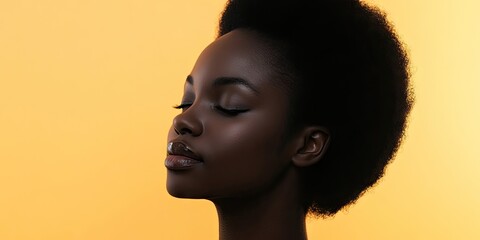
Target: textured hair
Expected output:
[347,71]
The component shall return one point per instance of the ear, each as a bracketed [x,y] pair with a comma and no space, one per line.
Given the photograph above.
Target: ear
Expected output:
[311,144]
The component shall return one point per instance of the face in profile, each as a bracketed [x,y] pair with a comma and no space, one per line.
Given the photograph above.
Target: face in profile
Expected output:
[228,141]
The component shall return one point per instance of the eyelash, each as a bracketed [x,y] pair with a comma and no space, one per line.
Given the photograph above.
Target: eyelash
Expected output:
[183,106]
[228,112]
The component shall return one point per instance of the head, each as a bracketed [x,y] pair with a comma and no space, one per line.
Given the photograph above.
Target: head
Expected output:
[320,87]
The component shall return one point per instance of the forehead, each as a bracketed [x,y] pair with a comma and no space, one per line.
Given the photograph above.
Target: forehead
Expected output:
[240,53]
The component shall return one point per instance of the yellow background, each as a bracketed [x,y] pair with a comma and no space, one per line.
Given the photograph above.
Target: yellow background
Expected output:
[86,89]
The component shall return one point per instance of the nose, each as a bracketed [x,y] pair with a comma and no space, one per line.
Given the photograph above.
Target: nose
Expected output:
[187,122]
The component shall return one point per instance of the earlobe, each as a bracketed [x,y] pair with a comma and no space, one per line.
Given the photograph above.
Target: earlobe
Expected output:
[313,145]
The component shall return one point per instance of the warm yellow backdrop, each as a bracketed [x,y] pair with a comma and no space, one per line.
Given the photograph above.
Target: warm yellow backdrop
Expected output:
[86,89]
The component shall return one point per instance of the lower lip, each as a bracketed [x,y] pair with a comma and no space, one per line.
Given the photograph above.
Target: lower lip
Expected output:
[177,162]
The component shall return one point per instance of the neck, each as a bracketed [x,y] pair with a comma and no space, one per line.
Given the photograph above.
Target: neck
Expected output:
[274,214]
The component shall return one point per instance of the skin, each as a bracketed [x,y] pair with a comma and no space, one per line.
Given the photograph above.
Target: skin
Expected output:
[250,171]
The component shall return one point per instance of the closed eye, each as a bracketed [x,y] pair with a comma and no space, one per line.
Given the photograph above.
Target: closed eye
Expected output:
[230,111]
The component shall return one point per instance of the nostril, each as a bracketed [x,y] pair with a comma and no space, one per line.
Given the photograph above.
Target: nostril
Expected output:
[183,131]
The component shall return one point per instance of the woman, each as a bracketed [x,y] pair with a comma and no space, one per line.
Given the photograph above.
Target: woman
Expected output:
[295,109]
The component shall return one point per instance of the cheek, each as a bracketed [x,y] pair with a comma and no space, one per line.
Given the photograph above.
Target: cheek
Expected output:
[256,140]
[245,156]
[247,137]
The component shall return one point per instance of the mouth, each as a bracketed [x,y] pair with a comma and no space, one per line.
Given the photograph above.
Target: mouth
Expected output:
[181,157]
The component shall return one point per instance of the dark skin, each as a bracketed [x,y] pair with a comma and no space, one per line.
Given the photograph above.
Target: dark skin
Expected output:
[233,119]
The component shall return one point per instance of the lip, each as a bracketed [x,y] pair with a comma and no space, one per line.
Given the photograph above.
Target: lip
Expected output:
[181,157]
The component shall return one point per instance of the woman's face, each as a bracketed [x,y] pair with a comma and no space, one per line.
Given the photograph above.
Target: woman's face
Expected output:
[228,140]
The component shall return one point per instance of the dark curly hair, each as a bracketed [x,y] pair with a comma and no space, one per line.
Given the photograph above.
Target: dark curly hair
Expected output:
[346,70]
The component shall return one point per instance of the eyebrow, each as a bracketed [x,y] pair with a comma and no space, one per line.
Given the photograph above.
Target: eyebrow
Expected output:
[222,81]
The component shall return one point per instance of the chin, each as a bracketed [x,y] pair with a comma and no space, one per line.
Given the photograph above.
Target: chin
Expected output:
[180,190]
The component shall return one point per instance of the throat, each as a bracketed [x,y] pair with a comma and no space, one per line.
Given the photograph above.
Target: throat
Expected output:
[273,214]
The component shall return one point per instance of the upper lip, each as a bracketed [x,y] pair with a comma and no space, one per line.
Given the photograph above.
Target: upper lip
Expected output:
[182,149]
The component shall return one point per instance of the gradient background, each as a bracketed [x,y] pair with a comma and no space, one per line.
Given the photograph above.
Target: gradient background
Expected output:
[86,89]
